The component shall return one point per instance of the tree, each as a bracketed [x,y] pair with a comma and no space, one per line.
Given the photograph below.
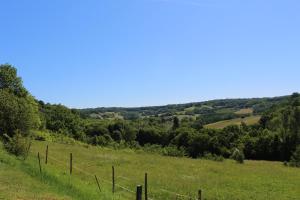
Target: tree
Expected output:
[183,136]
[18,111]
[238,156]
[63,120]
[295,160]
[175,123]
[10,81]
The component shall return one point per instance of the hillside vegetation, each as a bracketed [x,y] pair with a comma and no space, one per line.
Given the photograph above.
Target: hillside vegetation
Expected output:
[208,111]
[177,129]
[159,140]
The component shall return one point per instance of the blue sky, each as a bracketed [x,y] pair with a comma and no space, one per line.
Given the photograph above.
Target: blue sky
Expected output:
[92,53]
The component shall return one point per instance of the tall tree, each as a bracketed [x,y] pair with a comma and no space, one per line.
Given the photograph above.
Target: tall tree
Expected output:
[10,81]
[18,109]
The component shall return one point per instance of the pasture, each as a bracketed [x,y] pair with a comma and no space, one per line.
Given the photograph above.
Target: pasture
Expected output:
[168,176]
[237,121]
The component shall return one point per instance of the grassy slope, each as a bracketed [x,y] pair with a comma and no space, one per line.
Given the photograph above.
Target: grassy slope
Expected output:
[258,180]
[16,183]
[222,124]
[22,180]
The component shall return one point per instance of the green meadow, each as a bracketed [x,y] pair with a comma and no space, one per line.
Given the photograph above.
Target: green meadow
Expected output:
[167,176]
[237,121]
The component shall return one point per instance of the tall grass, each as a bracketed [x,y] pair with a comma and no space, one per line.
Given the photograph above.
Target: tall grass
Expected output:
[59,182]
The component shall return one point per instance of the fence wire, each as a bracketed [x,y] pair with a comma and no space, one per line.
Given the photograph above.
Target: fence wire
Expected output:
[63,164]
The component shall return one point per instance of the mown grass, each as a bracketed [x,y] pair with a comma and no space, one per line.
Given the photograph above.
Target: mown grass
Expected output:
[237,121]
[258,180]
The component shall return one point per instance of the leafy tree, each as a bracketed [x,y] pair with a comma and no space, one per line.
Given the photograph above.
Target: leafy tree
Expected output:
[295,160]
[10,81]
[18,111]
[238,156]
[198,145]
[63,120]
[183,136]
[175,123]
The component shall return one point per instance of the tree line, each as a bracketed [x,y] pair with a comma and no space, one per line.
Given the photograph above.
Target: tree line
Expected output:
[275,137]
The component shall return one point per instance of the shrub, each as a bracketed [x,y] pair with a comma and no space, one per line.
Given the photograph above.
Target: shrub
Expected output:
[213,157]
[295,159]
[18,144]
[152,148]
[238,156]
[42,136]
[102,140]
[173,151]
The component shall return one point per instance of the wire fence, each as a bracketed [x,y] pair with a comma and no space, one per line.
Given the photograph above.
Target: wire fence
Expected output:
[114,178]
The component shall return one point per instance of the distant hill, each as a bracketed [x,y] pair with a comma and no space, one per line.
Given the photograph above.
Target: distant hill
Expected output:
[209,111]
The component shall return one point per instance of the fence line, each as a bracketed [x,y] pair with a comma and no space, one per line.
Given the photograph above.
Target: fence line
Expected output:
[118,185]
[89,174]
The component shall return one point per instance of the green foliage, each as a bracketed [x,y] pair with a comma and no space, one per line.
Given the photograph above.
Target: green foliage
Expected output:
[173,151]
[175,123]
[102,140]
[238,156]
[18,111]
[42,135]
[213,157]
[295,160]
[60,119]
[18,144]
[10,81]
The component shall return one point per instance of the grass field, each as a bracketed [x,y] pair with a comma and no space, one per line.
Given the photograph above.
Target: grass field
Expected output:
[244,111]
[222,124]
[259,180]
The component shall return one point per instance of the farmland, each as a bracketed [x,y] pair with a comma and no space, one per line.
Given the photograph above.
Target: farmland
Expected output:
[237,121]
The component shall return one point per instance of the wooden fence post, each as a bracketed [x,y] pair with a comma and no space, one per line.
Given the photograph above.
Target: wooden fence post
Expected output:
[146,186]
[71,163]
[113,179]
[98,183]
[46,161]
[139,191]
[39,162]
[199,195]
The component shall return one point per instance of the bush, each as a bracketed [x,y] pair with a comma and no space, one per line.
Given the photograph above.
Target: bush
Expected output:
[42,136]
[213,157]
[18,144]
[295,159]
[173,151]
[152,148]
[238,156]
[102,140]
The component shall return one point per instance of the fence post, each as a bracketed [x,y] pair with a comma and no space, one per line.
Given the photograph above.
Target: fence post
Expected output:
[46,161]
[113,179]
[146,186]
[98,183]
[39,162]
[71,163]
[199,194]
[139,191]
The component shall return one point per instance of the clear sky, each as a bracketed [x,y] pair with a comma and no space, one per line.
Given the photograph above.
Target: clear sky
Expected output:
[92,53]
